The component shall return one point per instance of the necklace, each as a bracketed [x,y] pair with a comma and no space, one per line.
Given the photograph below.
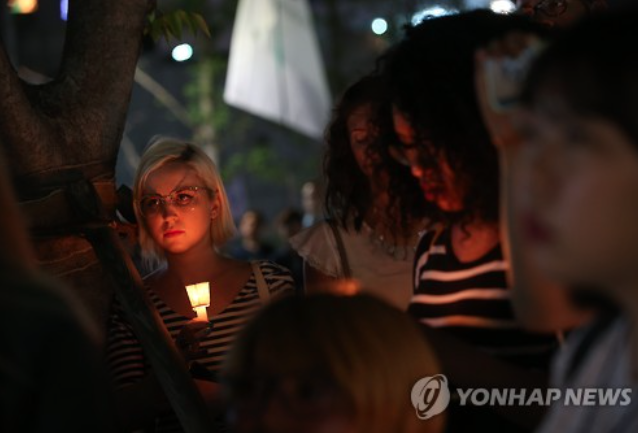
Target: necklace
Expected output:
[394,246]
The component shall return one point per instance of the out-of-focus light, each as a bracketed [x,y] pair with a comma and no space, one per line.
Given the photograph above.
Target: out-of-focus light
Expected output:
[64,9]
[502,6]
[23,6]
[477,4]
[433,12]
[379,26]
[182,52]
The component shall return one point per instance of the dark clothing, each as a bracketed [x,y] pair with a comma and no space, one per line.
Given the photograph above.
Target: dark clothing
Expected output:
[471,301]
[288,258]
[51,372]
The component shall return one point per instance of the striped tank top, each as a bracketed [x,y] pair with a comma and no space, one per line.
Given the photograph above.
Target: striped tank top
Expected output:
[126,359]
[471,301]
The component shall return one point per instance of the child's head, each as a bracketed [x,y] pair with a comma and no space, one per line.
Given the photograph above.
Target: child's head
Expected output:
[326,361]
[580,157]
[193,187]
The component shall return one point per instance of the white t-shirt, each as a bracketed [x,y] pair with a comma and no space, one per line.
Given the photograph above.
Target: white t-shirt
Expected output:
[383,273]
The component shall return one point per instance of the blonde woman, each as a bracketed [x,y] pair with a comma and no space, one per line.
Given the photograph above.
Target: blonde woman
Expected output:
[327,363]
[184,217]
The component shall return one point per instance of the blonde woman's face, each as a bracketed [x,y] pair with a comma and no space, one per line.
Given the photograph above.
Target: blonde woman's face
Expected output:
[181,217]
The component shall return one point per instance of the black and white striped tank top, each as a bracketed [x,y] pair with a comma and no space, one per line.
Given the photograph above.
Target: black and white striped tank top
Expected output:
[471,301]
[126,359]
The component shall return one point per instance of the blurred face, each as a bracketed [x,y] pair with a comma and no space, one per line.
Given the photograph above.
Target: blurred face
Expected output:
[310,200]
[249,225]
[578,193]
[361,133]
[288,405]
[288,230]
[441,185]
[177,217]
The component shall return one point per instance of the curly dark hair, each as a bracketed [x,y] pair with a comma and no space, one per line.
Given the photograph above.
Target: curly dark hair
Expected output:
[348,191]
[430,73]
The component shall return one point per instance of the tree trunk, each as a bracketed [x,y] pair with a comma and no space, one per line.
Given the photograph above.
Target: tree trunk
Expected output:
[66,131]
[70,128]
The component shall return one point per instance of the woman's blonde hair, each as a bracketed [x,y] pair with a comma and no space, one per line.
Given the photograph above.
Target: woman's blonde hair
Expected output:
[162,151]
[371,352]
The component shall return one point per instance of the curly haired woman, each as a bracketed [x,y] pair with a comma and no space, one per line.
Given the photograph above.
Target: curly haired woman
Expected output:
[369,238]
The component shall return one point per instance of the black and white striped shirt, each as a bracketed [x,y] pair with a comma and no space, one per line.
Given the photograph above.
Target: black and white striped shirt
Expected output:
[126,358]
[471,301]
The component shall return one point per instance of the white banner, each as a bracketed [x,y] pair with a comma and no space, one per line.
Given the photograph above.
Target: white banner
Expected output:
[275,69]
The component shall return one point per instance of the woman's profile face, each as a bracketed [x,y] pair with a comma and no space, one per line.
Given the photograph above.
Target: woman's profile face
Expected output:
[578,192]
[361,133]
[440,185]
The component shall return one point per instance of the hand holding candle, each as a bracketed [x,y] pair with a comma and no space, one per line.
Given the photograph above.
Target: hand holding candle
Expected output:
[199,295]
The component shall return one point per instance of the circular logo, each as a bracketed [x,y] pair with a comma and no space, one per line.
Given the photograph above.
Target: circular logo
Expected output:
[430,396]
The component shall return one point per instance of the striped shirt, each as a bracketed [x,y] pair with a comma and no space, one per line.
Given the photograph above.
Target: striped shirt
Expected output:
[471,301]
[126,358]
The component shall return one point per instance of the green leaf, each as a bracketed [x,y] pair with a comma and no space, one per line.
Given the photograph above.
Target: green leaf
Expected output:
[167,33]
[201,24]
[190,22]
[151,27]
[174,22]
[171,25]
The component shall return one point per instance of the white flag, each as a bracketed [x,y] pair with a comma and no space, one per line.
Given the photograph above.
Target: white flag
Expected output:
[275,69]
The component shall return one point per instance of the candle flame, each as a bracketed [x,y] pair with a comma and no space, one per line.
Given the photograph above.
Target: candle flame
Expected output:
[199,294]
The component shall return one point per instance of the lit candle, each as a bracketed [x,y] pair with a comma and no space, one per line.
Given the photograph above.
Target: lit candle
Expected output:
[199,295]
[349,287]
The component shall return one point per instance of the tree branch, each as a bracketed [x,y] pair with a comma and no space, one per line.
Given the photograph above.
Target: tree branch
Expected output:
[77,120]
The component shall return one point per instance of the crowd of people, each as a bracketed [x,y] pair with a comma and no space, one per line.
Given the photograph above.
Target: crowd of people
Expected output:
[479,192]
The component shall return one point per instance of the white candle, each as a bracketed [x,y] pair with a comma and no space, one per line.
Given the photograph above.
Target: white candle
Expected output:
[199,295]
[201,313]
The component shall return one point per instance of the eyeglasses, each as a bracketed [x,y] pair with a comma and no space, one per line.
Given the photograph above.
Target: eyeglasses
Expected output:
[551,8]
[423,153]
[152,204]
